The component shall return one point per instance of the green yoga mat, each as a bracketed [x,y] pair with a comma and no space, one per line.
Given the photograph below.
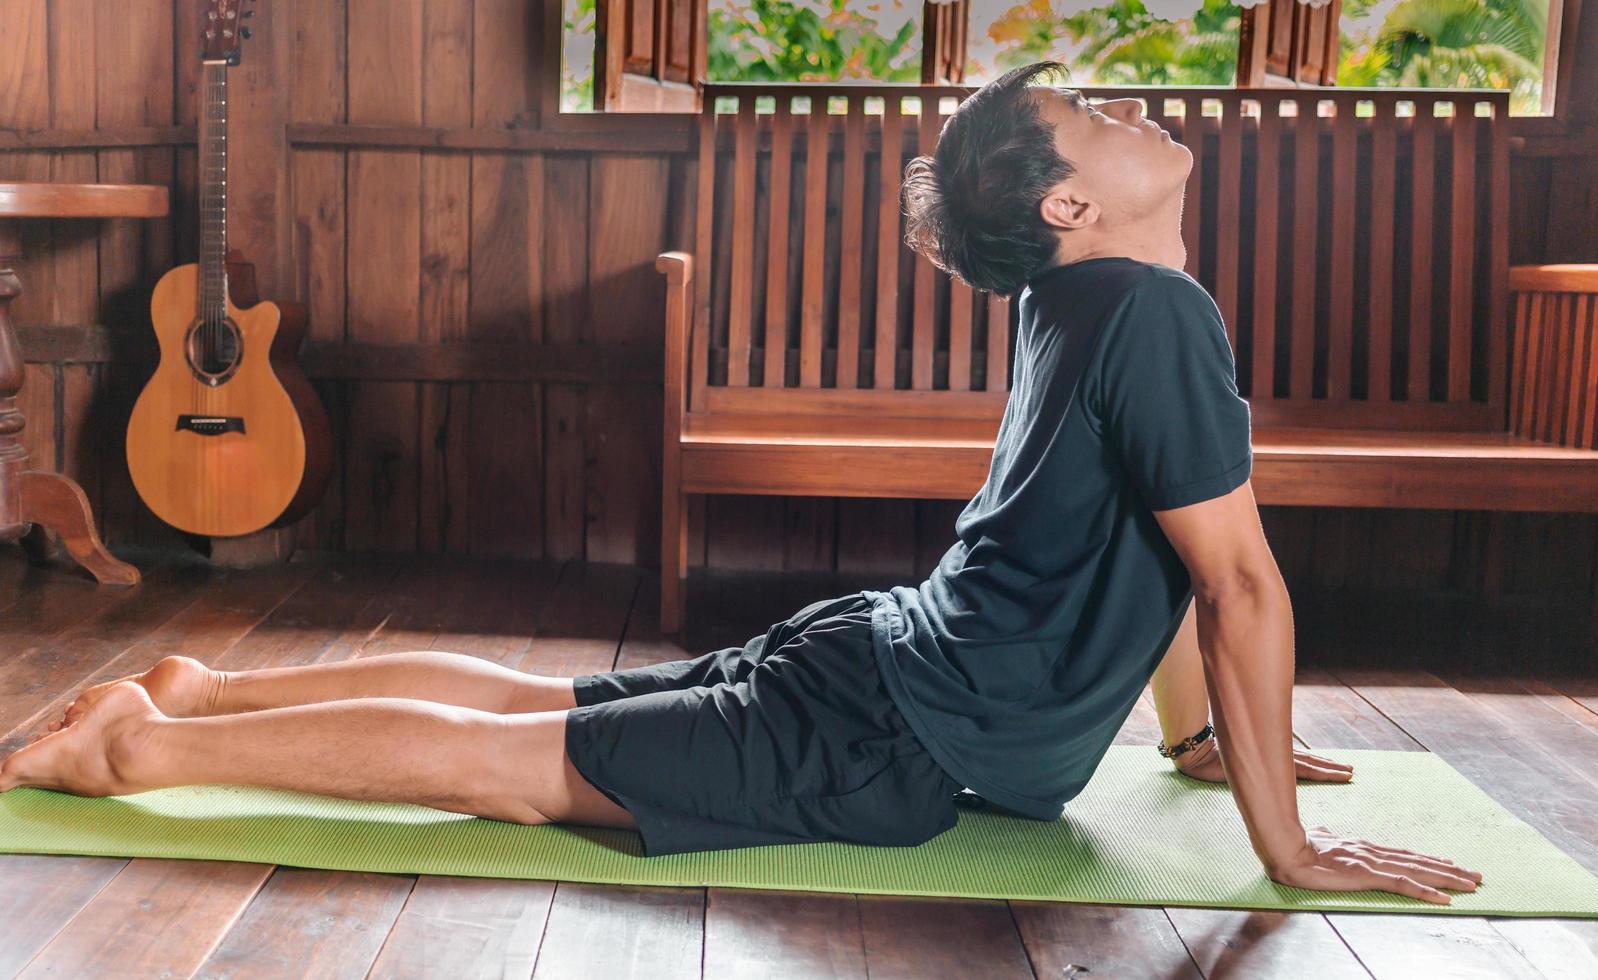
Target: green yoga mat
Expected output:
[1140,834]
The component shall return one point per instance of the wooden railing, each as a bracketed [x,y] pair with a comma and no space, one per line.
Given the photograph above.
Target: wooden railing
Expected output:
[1355,240]
[1555,362]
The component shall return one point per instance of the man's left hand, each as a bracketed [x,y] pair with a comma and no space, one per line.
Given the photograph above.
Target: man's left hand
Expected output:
[1206,765]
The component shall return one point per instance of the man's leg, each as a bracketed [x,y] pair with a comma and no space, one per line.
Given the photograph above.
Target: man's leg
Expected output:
[182,687]
[508,767]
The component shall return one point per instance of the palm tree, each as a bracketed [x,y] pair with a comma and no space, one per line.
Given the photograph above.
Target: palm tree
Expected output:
[1200,51]
[1455,43]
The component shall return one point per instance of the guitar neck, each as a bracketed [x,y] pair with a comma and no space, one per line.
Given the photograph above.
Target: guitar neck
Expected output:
[213,192]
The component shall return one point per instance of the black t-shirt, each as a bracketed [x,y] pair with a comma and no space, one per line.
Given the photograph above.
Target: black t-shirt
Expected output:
[1021,655]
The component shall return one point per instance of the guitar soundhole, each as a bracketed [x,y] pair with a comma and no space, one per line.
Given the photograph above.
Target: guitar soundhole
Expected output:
[214,350]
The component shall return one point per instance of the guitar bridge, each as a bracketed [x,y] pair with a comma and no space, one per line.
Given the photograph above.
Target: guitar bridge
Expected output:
[210,425]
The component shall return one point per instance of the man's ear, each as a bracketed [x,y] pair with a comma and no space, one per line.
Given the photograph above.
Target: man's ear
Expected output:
[1067,210]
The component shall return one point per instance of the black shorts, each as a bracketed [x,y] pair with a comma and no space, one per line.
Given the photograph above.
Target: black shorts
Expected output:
[789,739]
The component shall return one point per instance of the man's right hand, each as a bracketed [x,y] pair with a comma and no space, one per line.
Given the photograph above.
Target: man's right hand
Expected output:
[1333,863]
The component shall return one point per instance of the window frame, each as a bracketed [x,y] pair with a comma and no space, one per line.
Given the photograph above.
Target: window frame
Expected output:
[1558,121]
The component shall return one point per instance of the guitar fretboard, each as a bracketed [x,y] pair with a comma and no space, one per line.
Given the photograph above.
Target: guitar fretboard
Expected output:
[213,194]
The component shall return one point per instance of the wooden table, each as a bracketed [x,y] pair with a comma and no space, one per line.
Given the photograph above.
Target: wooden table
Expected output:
[33,502]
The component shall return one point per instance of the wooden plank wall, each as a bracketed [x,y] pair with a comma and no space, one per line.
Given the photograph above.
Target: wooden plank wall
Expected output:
[405,246]
[522,238]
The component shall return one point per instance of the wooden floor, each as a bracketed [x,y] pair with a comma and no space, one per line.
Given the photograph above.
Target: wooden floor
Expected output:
[1492,700]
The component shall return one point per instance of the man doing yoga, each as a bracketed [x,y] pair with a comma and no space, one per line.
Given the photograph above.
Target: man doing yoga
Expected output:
[1115,542]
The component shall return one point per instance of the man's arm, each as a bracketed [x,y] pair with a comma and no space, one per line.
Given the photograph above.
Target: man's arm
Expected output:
[1245,638]
[1180,698]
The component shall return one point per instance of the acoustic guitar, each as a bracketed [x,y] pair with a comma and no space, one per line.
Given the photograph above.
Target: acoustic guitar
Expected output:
[227,437]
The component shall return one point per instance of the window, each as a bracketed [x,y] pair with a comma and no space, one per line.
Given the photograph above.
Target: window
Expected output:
[656,49]
[752,40]
[1450,44]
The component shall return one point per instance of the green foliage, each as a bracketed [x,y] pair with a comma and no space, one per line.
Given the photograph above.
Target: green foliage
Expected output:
[780,40]
[1121,43]
[1452,44]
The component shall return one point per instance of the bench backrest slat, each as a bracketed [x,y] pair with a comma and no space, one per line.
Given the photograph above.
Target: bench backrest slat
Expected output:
[743,230]
[1268,240]
[777,258]
[1379,322]
[1353,240]
[890,171]
[851,274]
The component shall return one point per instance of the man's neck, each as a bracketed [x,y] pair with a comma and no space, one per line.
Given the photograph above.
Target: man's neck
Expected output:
[1157,238]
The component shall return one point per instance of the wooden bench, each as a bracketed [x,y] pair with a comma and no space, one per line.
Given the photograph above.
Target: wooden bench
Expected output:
[1355,240]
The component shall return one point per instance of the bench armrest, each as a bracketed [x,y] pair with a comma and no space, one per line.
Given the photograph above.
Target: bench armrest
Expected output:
[678,267]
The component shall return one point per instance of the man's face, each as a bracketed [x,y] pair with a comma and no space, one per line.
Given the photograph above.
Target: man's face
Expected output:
[1126,164]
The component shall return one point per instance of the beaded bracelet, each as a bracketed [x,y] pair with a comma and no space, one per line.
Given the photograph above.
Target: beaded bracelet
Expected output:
[1192,741]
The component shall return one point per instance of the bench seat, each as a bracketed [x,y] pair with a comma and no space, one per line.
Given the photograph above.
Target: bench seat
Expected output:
[1293,466]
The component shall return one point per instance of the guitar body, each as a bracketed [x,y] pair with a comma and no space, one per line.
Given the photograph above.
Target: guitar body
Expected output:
[227,453]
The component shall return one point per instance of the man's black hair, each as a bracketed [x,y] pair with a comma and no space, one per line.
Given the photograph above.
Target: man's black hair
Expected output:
[972,206]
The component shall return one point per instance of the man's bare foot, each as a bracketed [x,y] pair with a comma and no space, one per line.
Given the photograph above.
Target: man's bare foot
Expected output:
[180,687]
[107,752]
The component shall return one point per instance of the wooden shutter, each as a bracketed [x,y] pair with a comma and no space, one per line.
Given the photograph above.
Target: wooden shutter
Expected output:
[649,55]
[943,41]
[1285,42]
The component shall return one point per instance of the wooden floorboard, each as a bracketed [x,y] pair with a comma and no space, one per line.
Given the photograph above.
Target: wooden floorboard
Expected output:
[36,601]
[912,938]
[20,580]
[40,896]
[311,923]
[622,931]
[466,928]
[1521,727]
[756,933]
[581,626]
[155,918]
[1086,941]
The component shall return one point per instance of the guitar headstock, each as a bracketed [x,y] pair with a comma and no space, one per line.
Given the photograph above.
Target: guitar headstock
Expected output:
[223,29]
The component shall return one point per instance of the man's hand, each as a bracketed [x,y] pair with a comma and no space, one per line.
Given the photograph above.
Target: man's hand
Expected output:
[1332,863]
[1329,862]
[1204,762]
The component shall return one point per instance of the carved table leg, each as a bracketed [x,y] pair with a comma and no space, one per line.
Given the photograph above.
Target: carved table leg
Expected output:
[59,504]
[13,455]
[30,500]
